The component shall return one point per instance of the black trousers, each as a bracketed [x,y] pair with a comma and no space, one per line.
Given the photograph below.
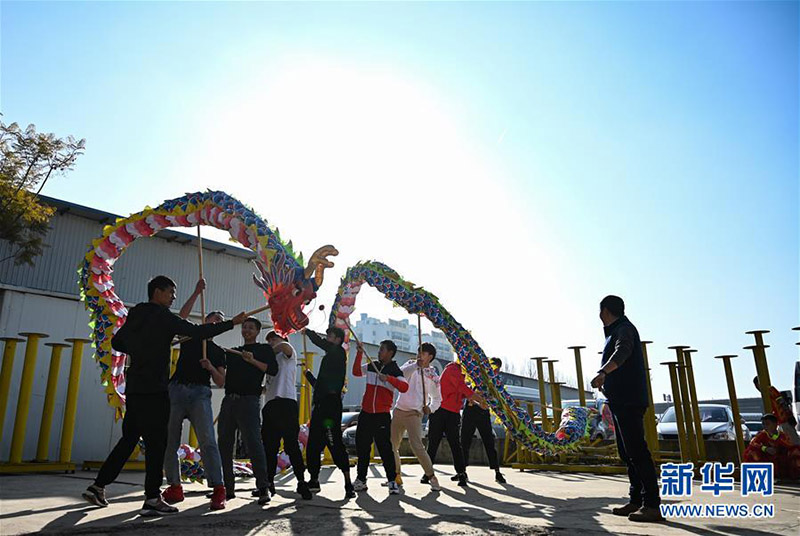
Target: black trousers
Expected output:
[280,421]
[146,417]
[475,417]
[441,423]
[242,413]
[375,427]
[325,429]
[632,447]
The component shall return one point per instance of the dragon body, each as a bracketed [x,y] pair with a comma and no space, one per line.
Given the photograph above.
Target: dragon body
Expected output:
[288,287]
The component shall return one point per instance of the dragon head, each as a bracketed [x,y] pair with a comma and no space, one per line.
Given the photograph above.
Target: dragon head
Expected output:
[289,288]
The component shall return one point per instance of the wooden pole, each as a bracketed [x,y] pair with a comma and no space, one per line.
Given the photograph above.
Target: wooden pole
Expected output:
[419,329]
[202,292]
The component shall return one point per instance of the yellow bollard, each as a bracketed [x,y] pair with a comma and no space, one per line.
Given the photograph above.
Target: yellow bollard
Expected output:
[542,393]
[173,361]
[762,370]
[71,404]
[650,430]
[5,376]
[305,389]
[676,401]
[737,423]
[557,422]
[695,404]
[686,400]
[554,392]
[579,372]
[43,446]
[24,398]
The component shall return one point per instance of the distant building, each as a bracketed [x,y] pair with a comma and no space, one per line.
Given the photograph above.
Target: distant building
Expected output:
[403,333]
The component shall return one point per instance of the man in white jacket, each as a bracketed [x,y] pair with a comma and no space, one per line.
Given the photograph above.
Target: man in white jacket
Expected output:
[422,398]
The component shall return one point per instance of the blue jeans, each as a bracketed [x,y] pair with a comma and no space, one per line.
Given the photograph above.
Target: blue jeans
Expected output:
[193,402]
[243,413]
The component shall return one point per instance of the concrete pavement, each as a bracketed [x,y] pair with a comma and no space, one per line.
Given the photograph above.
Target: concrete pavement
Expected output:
[531,503]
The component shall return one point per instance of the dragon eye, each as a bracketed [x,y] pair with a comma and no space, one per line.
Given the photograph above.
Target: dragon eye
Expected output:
[296,291]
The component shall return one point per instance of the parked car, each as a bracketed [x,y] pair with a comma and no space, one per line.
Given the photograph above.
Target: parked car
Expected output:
[716,421]
[349,418]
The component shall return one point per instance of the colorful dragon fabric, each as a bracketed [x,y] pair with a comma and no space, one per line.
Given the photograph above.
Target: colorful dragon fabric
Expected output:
[288,287]
[286,284]
[575,421]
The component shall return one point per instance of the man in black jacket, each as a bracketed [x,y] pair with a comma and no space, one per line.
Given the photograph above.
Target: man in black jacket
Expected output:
[147,337]
[325,427]
[476,416]
[241,407]
[622,379]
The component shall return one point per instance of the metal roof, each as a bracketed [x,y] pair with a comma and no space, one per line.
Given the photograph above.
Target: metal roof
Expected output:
[106,218]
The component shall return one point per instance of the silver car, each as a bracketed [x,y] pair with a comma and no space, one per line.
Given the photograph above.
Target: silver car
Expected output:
[716,421]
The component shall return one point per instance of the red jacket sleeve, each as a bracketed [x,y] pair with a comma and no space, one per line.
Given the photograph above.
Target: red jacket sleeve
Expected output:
[398,383]
[759,441]
[357,364]
[465,390]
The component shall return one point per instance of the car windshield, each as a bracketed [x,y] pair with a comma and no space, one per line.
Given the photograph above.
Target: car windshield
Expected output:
[707,414]
[713,414]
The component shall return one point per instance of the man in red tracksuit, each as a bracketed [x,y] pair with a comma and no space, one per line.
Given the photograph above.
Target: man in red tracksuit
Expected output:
[375,421]
[447,419]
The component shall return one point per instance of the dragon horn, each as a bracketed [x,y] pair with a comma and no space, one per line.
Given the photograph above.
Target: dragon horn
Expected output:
[318,262]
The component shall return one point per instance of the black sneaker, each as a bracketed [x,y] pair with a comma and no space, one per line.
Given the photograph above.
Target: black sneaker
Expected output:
[271,488]
[425,480]
[455,477]
[349,492]
[263,496]
[499,478]
[157,507]
[95,495]
[313,485]
[463,480]
[302,489]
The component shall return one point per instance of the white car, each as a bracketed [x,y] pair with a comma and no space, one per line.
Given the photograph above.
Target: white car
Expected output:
[716,421]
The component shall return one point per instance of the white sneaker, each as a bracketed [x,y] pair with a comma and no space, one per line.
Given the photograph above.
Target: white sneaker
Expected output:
[359,485]
[434,482]
[394,489]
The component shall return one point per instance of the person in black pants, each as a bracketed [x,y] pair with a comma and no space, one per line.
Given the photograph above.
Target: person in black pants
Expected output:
[383,377]
[447,419]
[146,336]
[280,416]
[622,379]
[475,416]
[241,407]
[325,427]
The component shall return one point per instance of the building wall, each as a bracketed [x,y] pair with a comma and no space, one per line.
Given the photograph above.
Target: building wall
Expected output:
[45,299]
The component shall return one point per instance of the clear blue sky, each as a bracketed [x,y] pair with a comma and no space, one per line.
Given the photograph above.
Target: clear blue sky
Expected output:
[520,160]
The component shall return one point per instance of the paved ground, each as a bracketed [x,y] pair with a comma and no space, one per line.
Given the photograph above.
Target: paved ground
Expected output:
[531,503]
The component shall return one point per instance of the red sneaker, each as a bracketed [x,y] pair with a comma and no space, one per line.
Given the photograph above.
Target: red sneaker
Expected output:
[173,494]
[218,498]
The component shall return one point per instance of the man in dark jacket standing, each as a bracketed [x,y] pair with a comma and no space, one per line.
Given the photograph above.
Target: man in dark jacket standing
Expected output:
[325,427]
[147,337]
[622,379]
